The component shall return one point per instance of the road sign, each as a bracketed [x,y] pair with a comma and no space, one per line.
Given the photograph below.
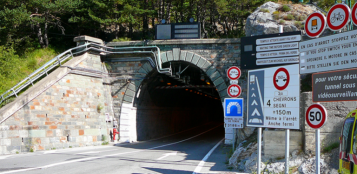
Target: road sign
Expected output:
[270,50]
[233,82]
[281,78]
[316,116]
[354,14]
[233,112]
[329,53]
[334,86]
[234,73]
[338,16]
[234,90]
[273,97]
[315,24]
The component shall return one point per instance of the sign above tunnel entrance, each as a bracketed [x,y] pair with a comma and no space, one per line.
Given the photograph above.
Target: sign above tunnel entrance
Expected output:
[273,97]
[233,112]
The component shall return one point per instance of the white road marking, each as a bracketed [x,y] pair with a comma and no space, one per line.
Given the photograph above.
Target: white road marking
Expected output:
[99,157]
[166,155]
[202,162]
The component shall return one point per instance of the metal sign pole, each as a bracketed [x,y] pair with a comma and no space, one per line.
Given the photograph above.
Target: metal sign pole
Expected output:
[317,150]
[259,149]
[287,135]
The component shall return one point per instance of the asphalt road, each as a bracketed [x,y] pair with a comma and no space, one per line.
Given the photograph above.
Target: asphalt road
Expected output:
[180,153]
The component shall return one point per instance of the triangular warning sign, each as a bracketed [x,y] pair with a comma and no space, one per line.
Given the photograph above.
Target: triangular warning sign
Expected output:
[253,95]
[254,103]
[255,112]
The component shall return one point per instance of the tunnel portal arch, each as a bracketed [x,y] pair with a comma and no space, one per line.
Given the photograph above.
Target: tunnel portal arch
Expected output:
[128,112]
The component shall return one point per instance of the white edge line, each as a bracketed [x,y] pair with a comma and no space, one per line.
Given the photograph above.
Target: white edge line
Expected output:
[91,158]
[202,162]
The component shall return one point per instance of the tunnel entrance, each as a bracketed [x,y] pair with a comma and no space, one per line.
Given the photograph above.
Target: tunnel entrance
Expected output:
[170,103]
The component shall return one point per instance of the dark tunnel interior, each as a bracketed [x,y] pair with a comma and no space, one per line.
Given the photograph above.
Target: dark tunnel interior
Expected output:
[168,104]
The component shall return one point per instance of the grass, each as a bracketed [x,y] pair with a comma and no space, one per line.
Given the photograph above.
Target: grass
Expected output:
[289,17]
[70,146]
[17,152]
[281,22]
[285,8]
[14,68]
[264,10]
[31,150]
[330,147]
[105,143]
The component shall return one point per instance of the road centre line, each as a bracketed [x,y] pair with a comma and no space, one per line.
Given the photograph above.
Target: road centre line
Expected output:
[91,158]
[202,162]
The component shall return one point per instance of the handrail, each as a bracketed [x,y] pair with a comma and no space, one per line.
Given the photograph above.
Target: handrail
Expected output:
[59,59]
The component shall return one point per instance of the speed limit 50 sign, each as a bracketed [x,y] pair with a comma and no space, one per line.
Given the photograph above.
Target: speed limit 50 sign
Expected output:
[316,116]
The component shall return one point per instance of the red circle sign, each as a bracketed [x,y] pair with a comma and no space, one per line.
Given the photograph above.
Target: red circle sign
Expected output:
[338,16]
[354,14]
[316,116]
[234,90]
[281,78]
[233,73]
[315,24]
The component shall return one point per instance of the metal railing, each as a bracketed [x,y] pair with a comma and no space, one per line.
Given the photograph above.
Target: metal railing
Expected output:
[58,61]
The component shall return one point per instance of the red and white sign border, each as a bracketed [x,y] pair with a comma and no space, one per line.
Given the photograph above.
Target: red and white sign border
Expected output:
[347,11]
[234,96]
[239,72]
[353,14]
[323,112]
[287,78]
[322,29]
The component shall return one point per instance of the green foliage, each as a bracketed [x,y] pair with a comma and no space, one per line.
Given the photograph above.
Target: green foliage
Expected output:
[17,152]
[281,22]
[105,143]
[286,8]
[276,15]
[289,17]
[264,10]
[31,150]
[331,147]
[297,24]
[121,39]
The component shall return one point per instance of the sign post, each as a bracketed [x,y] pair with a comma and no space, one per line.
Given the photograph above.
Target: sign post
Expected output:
[316,116]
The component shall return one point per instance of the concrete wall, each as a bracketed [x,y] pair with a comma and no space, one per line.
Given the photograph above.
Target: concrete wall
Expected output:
[59,111]
[331,131]
[274,142]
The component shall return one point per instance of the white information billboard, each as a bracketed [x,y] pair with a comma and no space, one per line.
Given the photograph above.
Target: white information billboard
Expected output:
[276,103]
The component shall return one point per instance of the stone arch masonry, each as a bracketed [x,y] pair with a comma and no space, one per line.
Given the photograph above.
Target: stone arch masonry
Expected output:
[60,111]
[213,56]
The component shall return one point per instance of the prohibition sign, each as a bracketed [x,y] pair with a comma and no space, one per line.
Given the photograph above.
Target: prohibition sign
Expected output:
[234,90]
[233,73]
[281,79]
[338,16]
[354,14]
[315,24]
[316,116]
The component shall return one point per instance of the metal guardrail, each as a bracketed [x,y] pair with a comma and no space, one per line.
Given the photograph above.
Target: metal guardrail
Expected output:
[58,60]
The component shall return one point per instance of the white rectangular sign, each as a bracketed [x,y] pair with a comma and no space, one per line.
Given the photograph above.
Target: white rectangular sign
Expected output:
[284,46]
[263,55]
[283,60]
[329,53]
[233,122]
[281,39]
[276,104]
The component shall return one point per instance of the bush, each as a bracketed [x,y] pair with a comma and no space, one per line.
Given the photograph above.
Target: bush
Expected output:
[330,147]
[286,8]
[276,15]
[264,10]
[281,22]
[301,18]
[121,39]
[297,24]
[289,17]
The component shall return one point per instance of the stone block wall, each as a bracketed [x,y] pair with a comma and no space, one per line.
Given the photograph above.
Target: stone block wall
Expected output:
[274,142]
[63,115]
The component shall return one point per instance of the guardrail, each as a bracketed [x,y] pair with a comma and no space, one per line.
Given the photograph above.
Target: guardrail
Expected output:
[58,60]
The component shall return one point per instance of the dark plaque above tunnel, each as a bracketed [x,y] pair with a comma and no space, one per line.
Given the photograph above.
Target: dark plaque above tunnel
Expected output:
[283,45]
